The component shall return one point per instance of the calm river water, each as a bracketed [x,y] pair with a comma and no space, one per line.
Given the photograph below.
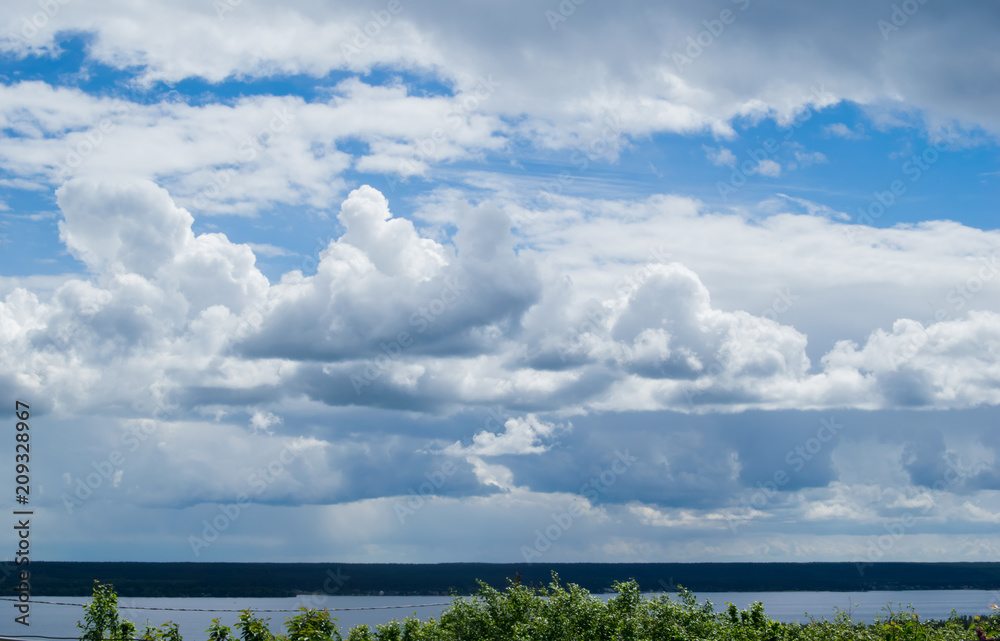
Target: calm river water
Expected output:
[60,620]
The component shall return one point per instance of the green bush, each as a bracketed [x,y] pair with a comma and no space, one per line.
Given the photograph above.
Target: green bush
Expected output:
[100,617]
[561,613]
[166,632]
[312,625]
[253,628]
[219,632]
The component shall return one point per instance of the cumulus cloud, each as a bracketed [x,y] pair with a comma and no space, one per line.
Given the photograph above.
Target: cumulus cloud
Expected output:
[951,363]
[721,156]
[701,340]
[520,436]
[395,319]
[262,421]
[381,288]
[769,168]
[391,244]
[158,298]
[122,227]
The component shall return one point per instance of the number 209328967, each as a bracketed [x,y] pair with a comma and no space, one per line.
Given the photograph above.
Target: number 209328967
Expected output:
[22,494]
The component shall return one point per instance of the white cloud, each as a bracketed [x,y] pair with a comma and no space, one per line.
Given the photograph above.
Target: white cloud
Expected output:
[721,156]
[946,364]
[238,158]
[840,130]
[807,158]
[263,421]
[769,168]
[520,436]
[564,85]
[391,244]
[122,228]
[492,474]
[267,250]
[816,209]
[395,319]
[659,307]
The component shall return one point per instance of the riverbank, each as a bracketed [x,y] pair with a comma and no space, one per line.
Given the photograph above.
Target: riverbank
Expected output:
[261,580]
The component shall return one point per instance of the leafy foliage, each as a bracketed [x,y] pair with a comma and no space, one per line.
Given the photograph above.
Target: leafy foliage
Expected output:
[166,632]
[219,632]
[253,628]
[312,625]
[101,621]
[563,613]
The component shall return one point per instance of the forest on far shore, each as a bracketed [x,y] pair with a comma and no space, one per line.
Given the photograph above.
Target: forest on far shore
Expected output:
[57,578]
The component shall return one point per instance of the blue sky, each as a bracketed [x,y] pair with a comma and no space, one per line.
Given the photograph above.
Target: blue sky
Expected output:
[482,284]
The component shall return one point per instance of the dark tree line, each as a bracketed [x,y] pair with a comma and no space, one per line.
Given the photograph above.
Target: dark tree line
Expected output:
[290,579]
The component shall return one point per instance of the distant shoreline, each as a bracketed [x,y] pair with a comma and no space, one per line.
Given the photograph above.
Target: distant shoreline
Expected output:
[247,580]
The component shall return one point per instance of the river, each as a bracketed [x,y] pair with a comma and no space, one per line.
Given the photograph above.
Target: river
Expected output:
[60,620]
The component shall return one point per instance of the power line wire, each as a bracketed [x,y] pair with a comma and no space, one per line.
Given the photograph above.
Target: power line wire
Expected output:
[138,607]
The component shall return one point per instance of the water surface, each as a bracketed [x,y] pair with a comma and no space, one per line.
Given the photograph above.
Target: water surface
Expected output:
[60,620]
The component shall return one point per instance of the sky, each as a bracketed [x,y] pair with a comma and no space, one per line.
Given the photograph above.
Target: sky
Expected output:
[503,281]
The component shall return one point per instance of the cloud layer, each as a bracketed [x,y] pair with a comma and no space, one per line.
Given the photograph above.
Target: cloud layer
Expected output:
[710,280]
